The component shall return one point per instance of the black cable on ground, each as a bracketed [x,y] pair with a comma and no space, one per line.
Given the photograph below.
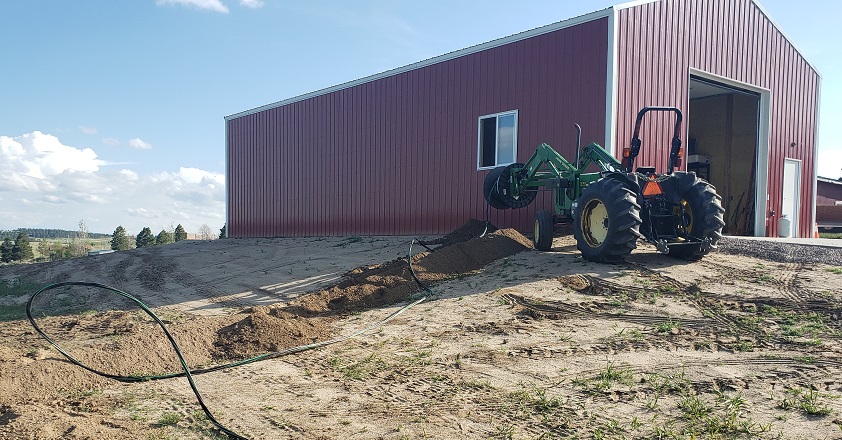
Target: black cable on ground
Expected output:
[187,372]
[488,204]
[412,270]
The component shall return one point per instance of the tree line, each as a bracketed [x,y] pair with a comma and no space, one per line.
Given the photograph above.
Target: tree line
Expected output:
[20,250]
[45,233]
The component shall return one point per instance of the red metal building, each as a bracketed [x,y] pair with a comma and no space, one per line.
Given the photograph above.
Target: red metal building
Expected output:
[405,151]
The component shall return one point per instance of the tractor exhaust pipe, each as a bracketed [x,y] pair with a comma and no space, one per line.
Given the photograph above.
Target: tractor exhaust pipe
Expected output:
[578,143]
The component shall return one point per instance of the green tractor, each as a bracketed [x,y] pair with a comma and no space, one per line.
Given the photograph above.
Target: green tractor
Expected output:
[611,209]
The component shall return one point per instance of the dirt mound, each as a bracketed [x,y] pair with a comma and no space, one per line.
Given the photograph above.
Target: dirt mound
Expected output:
[305,320]
[268,329]
[470,230]
[471,255]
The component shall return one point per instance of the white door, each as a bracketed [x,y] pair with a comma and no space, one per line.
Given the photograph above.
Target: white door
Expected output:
[792,188]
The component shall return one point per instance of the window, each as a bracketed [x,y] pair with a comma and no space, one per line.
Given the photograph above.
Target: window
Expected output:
[497,140]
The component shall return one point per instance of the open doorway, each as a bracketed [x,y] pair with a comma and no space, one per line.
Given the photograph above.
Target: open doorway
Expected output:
[722,147]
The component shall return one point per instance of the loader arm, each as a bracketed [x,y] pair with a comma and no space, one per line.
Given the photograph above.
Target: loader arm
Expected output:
[546,168]
[594,153]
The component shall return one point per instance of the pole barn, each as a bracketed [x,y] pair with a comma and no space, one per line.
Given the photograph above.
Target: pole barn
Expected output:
[405,151]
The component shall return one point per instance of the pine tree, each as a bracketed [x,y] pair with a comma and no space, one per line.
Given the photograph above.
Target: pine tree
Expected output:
[163,237]
[63,252]
[180,233]
[119,240]
[6,250]
[145,238]
[22,250]
[222,232]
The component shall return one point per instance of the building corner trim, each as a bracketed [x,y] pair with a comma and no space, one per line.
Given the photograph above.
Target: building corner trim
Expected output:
[813,220]
[227,186]
[611,85]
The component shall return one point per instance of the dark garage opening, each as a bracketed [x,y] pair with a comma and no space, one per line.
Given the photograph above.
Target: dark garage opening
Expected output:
[722,147]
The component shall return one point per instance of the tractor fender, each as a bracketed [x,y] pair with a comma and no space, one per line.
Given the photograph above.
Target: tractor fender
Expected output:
[628,179]
[678,184]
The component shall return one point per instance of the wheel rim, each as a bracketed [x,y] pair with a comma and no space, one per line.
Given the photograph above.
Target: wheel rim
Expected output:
[537,231]
[594,223]
[688,215]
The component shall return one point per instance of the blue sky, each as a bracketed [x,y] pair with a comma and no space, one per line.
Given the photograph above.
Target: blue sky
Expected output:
[112,112]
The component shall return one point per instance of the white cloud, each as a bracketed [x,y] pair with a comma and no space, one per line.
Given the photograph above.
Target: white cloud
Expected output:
[111,141]
[139,144]
[39,156]
[87,130]
[210,5]
[195,175]
[129,175]
[46,184]
[254,4]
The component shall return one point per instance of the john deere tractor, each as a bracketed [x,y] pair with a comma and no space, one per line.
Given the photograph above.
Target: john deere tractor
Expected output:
[613,208]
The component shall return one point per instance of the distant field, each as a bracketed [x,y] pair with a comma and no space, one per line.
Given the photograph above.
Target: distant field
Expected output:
[93,244]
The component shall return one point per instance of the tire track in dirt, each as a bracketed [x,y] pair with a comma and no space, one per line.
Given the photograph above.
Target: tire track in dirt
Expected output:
[737,324]
[554,310]
[796,298]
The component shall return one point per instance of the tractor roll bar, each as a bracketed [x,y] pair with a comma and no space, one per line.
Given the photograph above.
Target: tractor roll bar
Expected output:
[675,152]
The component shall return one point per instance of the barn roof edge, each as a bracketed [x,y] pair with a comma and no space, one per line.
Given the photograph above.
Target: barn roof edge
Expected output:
[570,22]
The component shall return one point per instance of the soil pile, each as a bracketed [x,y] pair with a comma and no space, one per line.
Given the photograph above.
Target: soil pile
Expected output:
[470,230]
[305,320]
[268,329]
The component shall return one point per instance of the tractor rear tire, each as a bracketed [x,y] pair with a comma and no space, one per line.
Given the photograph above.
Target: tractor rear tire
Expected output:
[505,193]
[606,221]
[490,188]
[703,207]
[544,230]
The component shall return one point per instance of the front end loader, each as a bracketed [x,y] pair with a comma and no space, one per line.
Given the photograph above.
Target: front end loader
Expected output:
[611,209]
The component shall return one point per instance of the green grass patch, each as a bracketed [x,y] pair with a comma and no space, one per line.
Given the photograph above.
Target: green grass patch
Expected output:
[669,326]
[13,291]
[16,288]
[606,379]
[359,370]
[12,312]
[808,401]
[170,419]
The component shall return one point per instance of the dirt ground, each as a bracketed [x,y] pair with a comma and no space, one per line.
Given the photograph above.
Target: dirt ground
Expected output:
[512,343]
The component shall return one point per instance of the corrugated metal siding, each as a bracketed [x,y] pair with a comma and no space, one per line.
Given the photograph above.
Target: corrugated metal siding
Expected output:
[828,193]
[659,42]
[398,155]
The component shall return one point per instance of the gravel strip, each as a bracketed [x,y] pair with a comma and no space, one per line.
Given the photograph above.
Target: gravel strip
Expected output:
[781,252]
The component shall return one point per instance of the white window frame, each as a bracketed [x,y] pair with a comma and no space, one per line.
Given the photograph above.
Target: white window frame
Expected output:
[496,147]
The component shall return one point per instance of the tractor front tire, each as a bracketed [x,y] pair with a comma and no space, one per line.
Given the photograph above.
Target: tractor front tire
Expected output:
[606,221]
[544,230]
[704,215]
[491,188]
